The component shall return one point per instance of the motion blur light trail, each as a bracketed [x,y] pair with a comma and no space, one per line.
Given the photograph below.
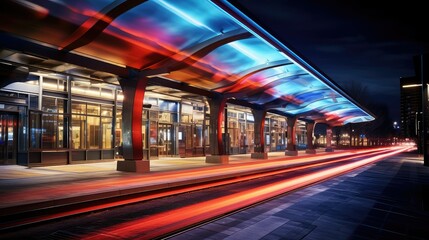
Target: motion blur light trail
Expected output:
[173,177]
[161,224]
[178,182]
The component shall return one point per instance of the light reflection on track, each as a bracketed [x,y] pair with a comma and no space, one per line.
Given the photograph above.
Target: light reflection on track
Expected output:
[169,221]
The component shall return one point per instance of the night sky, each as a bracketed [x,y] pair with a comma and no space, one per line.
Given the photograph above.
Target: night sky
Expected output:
[365,44]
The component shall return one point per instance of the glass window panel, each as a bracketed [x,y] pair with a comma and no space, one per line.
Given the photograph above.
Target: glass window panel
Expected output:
[153,138]
[49,105]
[34,102]
[22,129]
[168,105]
[165,117]
[61,105]
[93,132]
[151,101]
[118,128]
[206,135]
[35,130]
[187,109]
[93,109]
[145,113]
[198,136]
[144,133]
[62,135]
[107,137]
[153,115]
[49,131]
[186,118]
[78,107]
[78,132]
[106,111]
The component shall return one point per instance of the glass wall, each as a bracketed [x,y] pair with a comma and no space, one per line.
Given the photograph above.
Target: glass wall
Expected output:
[278,133]
[53,123]
[92,126]
[192,132]
[301,135]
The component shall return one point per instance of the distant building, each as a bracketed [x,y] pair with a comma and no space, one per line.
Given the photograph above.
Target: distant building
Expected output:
[411,105]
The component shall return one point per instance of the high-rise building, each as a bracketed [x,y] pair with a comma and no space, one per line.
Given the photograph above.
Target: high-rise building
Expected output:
[411,105]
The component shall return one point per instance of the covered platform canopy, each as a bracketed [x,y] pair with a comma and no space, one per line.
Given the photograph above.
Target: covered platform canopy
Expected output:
[208,48]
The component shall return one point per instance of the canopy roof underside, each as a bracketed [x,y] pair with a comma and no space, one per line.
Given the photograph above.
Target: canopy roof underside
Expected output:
[194,44]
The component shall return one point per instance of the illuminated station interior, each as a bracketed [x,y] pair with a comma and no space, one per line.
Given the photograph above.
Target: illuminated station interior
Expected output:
[87,81]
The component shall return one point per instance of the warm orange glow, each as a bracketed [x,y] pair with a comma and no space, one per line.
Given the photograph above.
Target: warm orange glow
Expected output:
[163,223]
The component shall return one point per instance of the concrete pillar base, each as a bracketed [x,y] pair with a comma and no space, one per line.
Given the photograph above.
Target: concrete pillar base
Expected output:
[139,166]
[259,155]
[222,159]
[310,151]
[291,153]
[329,149]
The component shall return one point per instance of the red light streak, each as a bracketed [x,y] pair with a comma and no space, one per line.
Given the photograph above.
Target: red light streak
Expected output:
[168,178]
[159,224]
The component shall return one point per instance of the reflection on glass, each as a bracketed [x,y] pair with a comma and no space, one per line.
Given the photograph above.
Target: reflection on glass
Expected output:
[198,136]
[61,131]
[106,111]
[144,133]
[79,108]
[49,104]
[49,131]
[93,109]
[153,137]
[118,128]
[93,132]
[35,130]
[107,133]
[78,132]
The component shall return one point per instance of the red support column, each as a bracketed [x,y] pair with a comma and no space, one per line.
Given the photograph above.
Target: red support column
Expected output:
[133,90]
[310,137]
[259,152]
[217,148]
[329,139]
[291,137]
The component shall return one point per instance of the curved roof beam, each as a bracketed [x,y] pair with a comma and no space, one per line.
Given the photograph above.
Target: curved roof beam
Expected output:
[94,26]
[191,55]
[252,71]
[258,91]
[332,95]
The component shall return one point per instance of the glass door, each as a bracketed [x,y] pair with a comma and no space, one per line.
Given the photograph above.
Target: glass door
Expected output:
[166,139]
[8,141]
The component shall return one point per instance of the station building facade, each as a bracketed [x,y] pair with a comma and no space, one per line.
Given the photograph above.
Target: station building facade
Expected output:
[93,80]
[56,121]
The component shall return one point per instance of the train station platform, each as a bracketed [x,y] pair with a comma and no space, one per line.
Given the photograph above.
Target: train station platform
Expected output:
[388,199]
[23,187]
